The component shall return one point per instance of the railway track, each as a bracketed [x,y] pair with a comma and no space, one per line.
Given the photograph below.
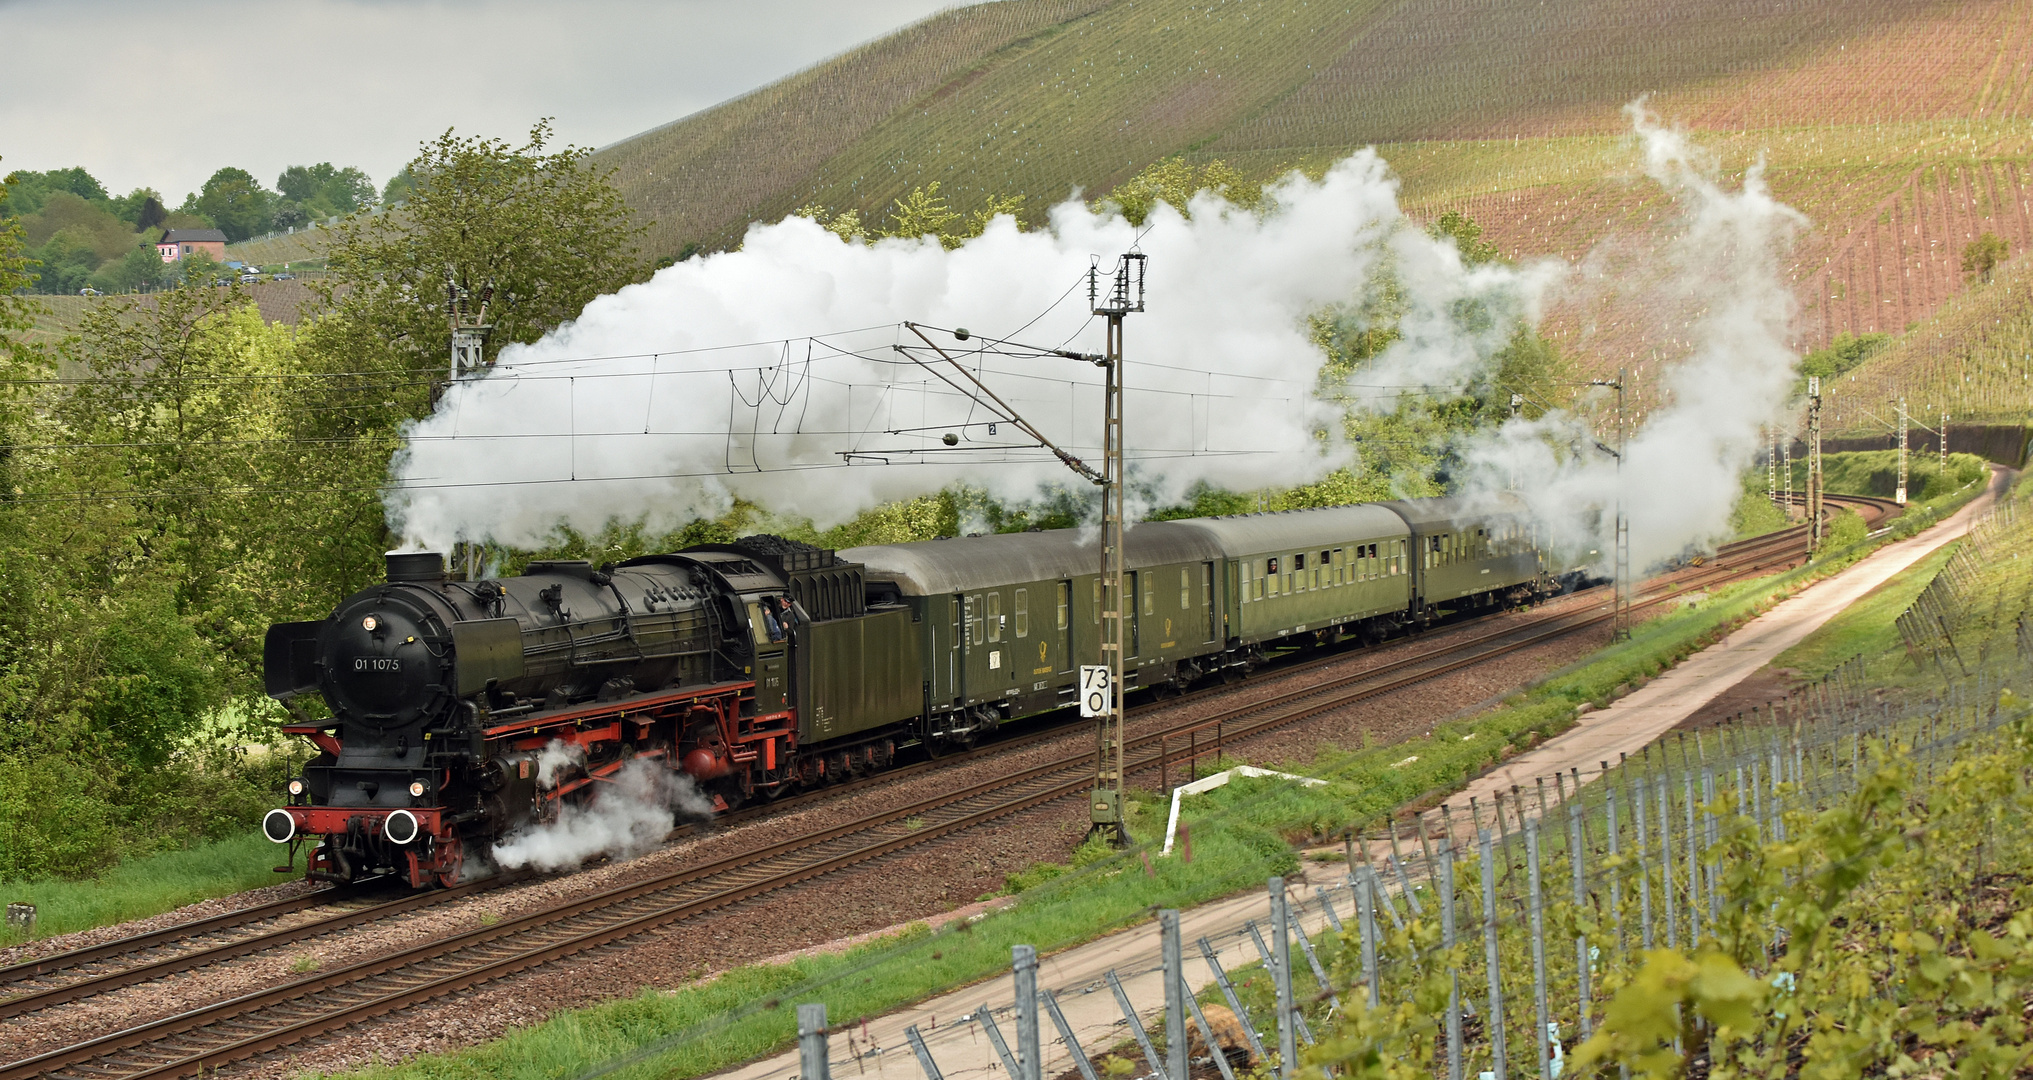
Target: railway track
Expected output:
[279,1016]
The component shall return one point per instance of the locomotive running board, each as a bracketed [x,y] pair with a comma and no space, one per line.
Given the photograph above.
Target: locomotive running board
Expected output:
[609,711]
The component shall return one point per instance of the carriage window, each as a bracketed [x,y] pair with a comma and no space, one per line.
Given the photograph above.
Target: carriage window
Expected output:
[1023,613]
[976,635]
[1185,589]
[995,616]
[1150,592]
[1065,591]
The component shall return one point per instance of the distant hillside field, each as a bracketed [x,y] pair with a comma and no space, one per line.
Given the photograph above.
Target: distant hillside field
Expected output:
[275,250]
[61,316]
[1900,128]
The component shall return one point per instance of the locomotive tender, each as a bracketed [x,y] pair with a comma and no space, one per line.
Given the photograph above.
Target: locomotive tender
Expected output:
[464,711]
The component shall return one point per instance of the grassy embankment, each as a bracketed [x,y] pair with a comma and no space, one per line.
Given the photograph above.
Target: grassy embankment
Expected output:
[139,888]
[148,886]
[1240,835]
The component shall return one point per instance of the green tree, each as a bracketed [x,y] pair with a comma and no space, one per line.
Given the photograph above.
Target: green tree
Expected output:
[67,261]
[541,232]
[236,203]
[1174,182]
[141,208]
[923,212]
[141,268]
[398,188]
[27,191]
[1843,355]
[1467,237]
[1982,255]
[323,190]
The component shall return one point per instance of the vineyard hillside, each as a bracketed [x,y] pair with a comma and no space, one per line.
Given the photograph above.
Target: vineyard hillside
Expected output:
[1900,128]
[1973,361]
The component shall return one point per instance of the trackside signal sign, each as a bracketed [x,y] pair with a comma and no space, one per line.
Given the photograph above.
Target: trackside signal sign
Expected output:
[1097,692]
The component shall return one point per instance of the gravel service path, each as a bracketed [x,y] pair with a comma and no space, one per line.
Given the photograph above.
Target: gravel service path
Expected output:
[1076,973]
[921,882]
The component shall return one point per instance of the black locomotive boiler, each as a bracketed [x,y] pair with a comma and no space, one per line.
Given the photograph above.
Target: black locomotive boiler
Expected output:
[464,711]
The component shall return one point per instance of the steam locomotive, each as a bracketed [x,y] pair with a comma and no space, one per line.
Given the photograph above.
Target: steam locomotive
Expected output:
[464,711]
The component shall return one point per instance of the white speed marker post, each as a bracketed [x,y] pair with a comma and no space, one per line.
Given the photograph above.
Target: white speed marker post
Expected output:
[1097,691]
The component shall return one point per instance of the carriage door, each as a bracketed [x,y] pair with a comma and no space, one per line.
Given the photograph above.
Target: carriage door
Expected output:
[1207,598]
[1065,625]
[1128,600]
[958,608]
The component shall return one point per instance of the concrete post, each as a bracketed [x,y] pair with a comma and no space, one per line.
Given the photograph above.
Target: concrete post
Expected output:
[812,1042]
[1175,993]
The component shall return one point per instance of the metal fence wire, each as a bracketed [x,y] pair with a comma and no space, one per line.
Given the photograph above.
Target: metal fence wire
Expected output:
[1510,918]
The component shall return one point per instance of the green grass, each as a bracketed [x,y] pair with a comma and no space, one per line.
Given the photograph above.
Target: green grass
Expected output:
[1876,472]
[1974,360]
[139,888]
[1241,834]
[1866,626]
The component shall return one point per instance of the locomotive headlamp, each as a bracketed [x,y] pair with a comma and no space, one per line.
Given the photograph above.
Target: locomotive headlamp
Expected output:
[296,786]
[416,788]
[369,623]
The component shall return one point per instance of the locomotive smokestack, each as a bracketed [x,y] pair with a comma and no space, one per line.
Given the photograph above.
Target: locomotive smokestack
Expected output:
[416,566]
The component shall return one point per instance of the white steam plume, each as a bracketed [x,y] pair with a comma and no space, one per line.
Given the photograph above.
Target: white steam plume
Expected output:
[646,407]
[1681,473]
[624,819]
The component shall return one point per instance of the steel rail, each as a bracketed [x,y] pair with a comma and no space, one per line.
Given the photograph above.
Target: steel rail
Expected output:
[170,965]
[1324,700]
[1004,795]
[159,938]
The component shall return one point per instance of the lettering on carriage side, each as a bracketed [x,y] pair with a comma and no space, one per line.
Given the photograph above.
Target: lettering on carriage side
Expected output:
[377,663]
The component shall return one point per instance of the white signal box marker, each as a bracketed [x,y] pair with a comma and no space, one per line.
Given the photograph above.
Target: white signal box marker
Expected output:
[1097,692]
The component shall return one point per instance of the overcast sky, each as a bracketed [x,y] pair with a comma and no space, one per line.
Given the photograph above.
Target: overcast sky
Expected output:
[151,94]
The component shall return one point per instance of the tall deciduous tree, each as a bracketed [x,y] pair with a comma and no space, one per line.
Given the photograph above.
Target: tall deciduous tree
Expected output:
[542,229]
[236,203]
